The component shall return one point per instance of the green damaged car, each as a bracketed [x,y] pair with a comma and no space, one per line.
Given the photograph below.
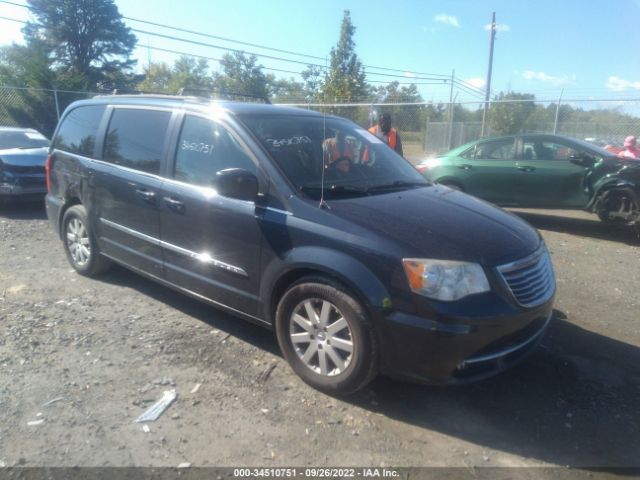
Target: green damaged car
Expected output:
[542,171]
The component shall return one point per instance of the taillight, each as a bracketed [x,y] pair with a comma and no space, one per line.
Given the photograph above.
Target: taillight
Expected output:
[421,168]
[47,170]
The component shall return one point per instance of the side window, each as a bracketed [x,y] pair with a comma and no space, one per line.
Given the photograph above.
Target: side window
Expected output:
[205,148]
[538,149]
[135,138]
[469,153]
[496,150]
[78,131]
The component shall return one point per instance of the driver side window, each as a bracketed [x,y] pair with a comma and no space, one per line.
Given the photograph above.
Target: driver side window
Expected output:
[537,149]
[204,148]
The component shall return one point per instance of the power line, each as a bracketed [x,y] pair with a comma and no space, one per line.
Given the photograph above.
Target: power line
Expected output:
[177,52]
[194,32]
[184,30]
[424,76]
[12,19]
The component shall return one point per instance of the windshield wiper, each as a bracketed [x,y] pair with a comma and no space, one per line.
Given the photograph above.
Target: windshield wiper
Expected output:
[335,189]
[396,185]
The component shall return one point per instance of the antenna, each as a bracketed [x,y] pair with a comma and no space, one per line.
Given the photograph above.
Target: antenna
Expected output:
[324,135]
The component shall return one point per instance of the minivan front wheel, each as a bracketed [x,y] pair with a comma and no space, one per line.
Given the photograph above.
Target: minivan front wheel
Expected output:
[326,337]
[80,245]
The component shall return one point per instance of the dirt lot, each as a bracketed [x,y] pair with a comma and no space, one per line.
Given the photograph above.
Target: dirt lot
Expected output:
[100,351]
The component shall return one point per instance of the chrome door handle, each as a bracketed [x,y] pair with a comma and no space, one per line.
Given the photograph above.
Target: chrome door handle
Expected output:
[146,195]
[526,168]
[464,166]
[174,204]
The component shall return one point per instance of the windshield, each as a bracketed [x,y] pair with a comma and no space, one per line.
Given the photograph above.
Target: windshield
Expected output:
[352,161]
[18,139]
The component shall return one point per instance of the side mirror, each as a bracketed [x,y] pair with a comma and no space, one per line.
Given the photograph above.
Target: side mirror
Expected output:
[582,159]
[236,183]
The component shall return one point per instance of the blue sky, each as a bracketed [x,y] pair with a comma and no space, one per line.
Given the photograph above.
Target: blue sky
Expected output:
[588,48]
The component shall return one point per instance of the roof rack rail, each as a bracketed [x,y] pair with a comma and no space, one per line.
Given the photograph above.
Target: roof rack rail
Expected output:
[221,95]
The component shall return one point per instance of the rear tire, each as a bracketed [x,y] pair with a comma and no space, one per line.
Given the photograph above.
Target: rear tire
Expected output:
[80,244]
[326,336]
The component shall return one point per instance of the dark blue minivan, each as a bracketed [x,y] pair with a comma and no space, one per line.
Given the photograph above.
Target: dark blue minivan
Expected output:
[306,224]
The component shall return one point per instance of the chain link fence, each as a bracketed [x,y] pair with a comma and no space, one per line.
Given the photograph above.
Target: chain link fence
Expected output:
[426,129]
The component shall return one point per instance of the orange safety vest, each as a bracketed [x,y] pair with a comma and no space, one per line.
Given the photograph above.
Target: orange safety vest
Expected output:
[335,154]
[393,135]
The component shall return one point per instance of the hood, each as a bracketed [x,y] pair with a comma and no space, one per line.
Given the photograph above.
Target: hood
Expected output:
[437,222]
[24,157]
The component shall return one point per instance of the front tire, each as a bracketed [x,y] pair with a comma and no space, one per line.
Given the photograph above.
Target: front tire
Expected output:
[326,336]
[619,206]
[80,244]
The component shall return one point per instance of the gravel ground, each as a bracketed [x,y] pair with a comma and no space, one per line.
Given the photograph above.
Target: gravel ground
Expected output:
[83,358]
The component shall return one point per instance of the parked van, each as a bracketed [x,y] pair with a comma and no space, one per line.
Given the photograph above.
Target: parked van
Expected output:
[357,263]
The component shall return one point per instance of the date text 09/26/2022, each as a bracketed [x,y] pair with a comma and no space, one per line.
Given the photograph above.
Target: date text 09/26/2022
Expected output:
[310,472]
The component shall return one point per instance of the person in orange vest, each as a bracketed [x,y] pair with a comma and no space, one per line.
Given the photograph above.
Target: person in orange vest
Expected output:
[337,148]
[385,132]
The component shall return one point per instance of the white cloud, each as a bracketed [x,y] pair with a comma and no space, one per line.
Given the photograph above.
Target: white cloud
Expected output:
[500,27]
[618,84]
[546,78]
[477,82]
[409,74]
[447,20]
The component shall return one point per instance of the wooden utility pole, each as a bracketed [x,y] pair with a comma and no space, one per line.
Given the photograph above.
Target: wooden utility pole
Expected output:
[487,91]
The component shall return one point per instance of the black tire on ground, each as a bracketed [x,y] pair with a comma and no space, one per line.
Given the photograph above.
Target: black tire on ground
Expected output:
[80,244]
[622,200]
[344,372]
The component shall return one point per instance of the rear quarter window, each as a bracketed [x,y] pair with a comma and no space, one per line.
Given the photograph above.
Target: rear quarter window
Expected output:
[78,131]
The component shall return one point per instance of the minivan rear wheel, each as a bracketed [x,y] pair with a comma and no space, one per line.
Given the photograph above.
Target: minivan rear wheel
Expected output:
[80,244]
[326,336]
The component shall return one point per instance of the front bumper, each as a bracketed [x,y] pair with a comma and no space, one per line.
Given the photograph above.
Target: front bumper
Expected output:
[459,350]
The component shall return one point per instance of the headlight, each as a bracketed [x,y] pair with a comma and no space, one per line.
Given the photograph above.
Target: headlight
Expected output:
[445,280]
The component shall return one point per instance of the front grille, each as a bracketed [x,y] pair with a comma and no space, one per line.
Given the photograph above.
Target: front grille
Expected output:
[530,280]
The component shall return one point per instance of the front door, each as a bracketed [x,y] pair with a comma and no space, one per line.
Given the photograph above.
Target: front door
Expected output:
[546,176]
[487,171]
[211,244]
[126,187]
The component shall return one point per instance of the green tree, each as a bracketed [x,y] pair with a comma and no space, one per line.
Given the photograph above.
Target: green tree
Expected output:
[404,117]
[313,78]
[87,38]
[286,91]
[157,78]
[509,112]
[187,75]
[28,67]
[241,76]
[346,79]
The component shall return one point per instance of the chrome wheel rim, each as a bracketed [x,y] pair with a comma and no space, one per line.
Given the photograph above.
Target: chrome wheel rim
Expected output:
[78,242]
[321,337]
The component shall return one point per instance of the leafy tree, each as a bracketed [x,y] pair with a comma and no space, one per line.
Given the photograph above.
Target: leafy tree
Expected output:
[187,74]
[157,78]
[346,79]
[286,91]
[241,76]
[313,78]
[510,112]
[29,67]
[404,117]
[87,38]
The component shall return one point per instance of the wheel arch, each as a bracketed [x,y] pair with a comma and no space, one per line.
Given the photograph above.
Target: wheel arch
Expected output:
[340,269]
